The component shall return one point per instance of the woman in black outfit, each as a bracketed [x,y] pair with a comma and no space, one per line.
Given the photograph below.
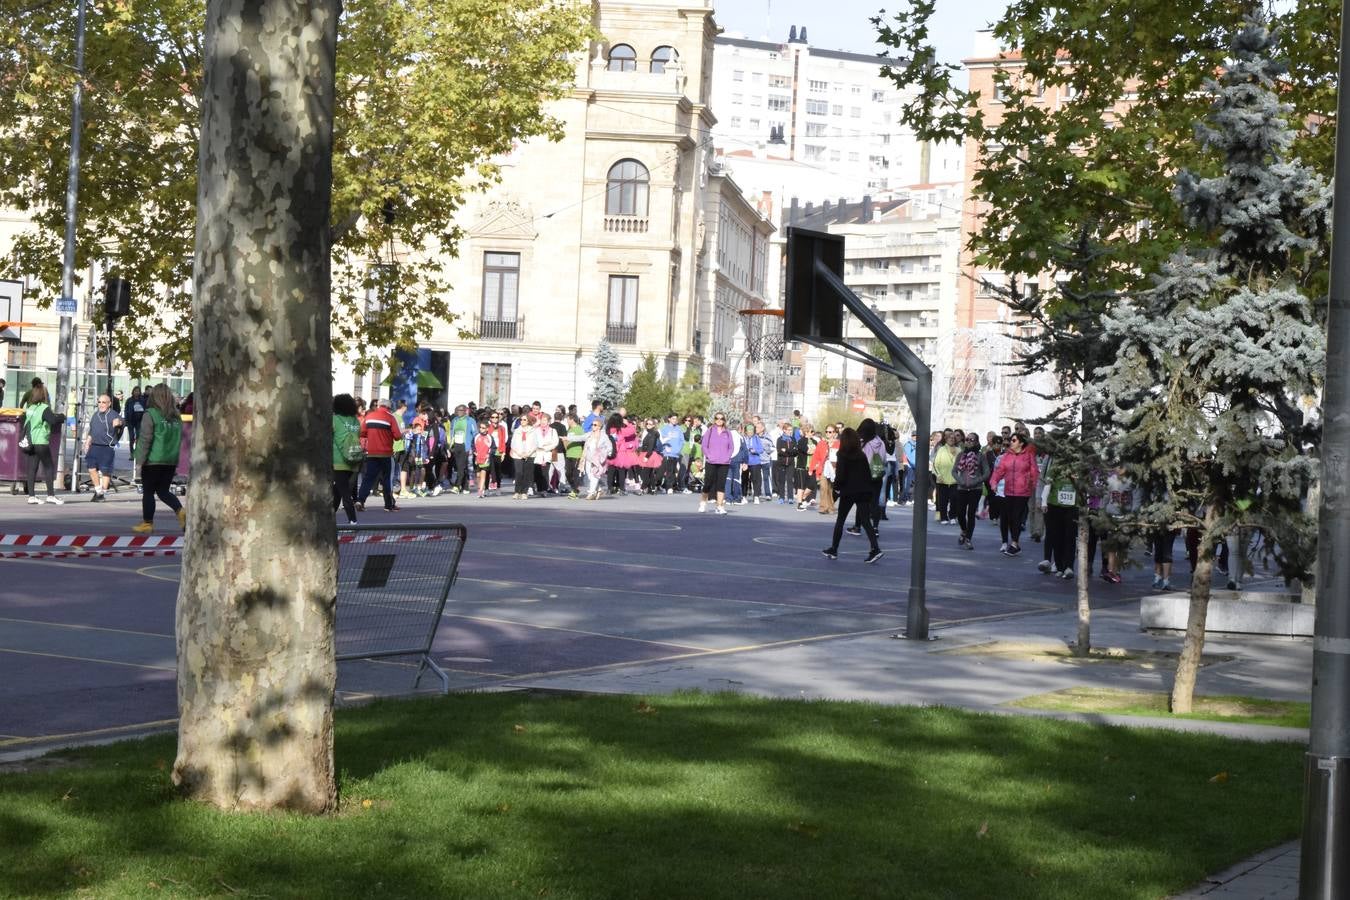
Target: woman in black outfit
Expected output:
[854,485]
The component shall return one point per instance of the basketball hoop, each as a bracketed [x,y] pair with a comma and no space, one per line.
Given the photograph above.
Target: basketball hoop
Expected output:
[7,335]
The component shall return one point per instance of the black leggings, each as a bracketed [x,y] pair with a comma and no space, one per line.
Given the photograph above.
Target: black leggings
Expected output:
[524,474]
[967,504]
[41,456]
[946,501]
[1013,515]
[1061,536]
[715,479]
[155,482]
[866,504]
[342,493]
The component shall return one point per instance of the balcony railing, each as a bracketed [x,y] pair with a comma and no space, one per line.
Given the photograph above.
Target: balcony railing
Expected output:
[499,329]
[626,224]
[621,334]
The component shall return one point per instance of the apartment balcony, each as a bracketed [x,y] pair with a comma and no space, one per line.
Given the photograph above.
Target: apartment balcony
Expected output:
[626,224]
[621,334]
[499,329]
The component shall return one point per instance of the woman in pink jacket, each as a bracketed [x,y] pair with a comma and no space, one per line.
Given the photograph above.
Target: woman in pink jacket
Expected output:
[1017,470]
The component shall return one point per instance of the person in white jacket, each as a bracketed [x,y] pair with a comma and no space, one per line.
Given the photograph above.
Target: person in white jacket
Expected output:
[522,455]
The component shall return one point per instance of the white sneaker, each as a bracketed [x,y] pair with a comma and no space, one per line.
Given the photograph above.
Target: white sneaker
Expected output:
[890,502]
[721,510]
[703,506]
[1067,574]
[436,491]
[742,501]
[55,500]
[1002,548]
[37,500]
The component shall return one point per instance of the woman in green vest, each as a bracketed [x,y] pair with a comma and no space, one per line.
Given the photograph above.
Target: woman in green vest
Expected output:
[348,455]
[157,449]
[40,424]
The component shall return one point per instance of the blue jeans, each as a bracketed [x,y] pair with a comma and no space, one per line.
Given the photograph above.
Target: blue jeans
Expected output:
[907,494]
[381,466]
[890,482]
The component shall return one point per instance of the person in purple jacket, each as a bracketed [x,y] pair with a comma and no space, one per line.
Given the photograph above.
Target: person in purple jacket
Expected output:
[717,461]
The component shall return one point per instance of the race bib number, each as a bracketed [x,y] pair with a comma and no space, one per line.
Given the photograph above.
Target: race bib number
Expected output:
[1067,496]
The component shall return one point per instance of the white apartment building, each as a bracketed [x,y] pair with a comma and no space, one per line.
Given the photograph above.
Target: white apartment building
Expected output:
[902,258]
[830,110]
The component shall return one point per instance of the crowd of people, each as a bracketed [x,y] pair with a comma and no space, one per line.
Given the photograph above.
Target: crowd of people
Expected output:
[1003,478]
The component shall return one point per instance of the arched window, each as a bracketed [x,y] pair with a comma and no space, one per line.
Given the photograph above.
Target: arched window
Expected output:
[622,58]
[626,193]
[662,57]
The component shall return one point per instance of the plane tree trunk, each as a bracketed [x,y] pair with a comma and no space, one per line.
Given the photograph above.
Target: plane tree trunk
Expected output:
[255,608]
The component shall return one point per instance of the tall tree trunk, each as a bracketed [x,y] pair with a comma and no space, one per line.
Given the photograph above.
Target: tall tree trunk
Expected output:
[1188,665]
[255,610]
[1083,570]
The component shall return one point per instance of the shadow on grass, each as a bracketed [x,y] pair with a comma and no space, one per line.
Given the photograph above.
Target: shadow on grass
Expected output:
[692,796]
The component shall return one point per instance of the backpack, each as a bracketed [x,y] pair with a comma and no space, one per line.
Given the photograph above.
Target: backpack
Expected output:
[349,446]
[876,463]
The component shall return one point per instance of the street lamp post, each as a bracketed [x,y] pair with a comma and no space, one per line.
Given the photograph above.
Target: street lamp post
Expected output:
[1324,871]
[65,305]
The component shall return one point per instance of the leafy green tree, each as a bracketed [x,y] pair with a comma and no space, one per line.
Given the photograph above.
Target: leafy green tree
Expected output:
[691,398]
[1075,190]
[888,385]
[649,395]
[429,94]
[606,375]
[1211,364]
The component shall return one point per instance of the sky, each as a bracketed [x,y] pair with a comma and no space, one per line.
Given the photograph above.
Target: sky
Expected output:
[845,25]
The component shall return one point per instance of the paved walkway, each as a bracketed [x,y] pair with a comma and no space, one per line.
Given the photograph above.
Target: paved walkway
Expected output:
[1272,875]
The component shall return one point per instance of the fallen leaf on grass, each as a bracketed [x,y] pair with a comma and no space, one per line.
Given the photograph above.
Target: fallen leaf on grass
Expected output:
[161,765]
[1221,778]
[503,808]
[805,828]
[644,708]
[984,830]
[518,729]
[366,804]
[69,794]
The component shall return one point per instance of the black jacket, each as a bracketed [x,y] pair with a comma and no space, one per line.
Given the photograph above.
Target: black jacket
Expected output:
[852,475]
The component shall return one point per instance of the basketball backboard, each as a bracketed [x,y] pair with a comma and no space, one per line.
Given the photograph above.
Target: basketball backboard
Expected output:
[11,308]
[811,314]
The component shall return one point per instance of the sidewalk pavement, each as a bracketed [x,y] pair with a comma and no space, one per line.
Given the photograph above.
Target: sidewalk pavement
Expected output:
[877,668]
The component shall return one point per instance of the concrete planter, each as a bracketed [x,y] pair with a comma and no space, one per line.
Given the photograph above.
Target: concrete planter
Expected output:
[1237,612]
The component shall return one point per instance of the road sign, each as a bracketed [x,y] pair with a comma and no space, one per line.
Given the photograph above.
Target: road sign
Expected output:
[66,306]
[860,406]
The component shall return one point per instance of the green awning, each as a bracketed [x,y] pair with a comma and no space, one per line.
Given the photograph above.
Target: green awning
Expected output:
[425,379]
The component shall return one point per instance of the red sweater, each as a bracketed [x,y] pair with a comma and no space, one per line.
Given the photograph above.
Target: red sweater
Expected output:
[379,430]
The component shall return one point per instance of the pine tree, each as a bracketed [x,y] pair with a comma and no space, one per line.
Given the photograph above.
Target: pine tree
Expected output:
[606,375]
[649,395]
[1211,363]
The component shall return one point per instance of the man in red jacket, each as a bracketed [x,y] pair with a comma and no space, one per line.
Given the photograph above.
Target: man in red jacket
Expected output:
[379,430]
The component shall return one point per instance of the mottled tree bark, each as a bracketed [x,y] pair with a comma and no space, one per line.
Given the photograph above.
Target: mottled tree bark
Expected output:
[1082,579]
[1188,665]
[255,609]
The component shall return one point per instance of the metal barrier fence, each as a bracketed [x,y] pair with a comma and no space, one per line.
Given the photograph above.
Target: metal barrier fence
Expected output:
[393,582]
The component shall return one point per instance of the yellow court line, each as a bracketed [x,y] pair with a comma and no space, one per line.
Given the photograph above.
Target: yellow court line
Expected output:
[591,587]
[91,659]
[723,652]
[615,637]
[87,627]
[19,741]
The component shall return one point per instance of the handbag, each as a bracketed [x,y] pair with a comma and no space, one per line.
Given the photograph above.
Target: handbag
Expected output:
[25,443]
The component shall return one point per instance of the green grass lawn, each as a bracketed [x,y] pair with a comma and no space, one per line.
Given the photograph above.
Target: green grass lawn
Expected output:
[1249,710]
[692,796]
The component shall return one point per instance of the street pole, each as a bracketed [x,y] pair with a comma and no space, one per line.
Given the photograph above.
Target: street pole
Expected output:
[1324,870]
[60,398]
